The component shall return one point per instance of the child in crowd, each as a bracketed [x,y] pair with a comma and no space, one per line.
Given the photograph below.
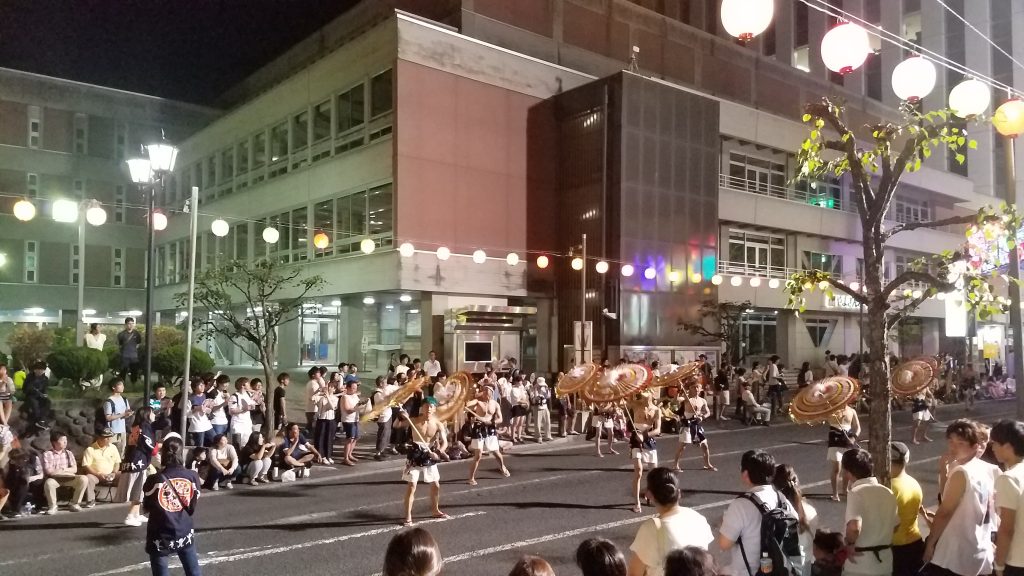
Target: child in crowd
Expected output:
[829,554]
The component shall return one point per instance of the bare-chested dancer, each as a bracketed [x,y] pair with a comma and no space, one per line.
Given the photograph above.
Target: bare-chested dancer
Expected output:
[693,410]
[643,449]
[486,415]
[428,435]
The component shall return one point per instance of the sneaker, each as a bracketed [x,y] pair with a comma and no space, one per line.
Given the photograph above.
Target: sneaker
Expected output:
[391,450]
[251,482]
[143,518]
[50,511]
[229,485]
[75,508]
[132,521]
[378,456]
[215,487]
[90,504]
[263,479]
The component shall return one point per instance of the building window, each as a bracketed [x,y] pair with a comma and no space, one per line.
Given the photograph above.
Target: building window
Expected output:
[323,221]
[119,204]
[351,109]
[829,263]
[826,193]
[117,267]
[279,142]
[227,165]
[31,261]
[242,241]
[120,140]
[242,156]
[300,130]
[259,151]
[905,210]
[757,335]
[756,253]
[81,134]
[211,171]
[32,185]
[758,175]
[381,95]
[197,175]
[902,263]
[380,215]
[75,264]
[819,329]
[78,187]
[35,127]
[322,121]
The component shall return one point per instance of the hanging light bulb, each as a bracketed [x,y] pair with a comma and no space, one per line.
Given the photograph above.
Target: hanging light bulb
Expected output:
[321,240]
[24,210]
[443,253]
[736,281]
[577,263]
[512,259]
[627,270]
[542,261]
[406,250]
[755,282]
[845,47]
[95,214]
[913,79]
[650,273]
[969,98]
[479,256]
[745,19]
[1009,118]
[220,228]
[717,279]
[773,283]
[159,221]
[271,235]
[367,246]
[601,267]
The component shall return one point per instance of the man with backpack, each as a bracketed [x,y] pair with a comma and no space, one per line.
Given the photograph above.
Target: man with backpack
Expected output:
[871,518]
[761,526]
[116,412]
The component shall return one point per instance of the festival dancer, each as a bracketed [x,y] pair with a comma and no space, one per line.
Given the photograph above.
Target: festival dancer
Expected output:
[642,445]
[486,415]
[843,430]
[603,422]
[694,411]
[428,435]
[921,416]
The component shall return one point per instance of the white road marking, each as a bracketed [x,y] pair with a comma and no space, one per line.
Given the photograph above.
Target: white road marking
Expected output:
[220,557]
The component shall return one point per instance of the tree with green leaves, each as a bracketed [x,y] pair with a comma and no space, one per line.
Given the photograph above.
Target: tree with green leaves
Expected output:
[247,302]
[875,161]
[720,322]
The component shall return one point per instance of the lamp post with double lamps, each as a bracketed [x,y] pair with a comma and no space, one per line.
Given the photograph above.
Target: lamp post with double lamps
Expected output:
[149,174]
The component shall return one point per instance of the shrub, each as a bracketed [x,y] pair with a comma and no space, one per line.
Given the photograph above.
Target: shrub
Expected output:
[170,362]
[6,361]
[76,363]
[29,344]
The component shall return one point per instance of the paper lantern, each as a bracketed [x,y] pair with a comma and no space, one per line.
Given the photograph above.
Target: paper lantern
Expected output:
[95,214]
[745,19]
[969,98]
[443,253]
[479,256]
[601,267]
[321,241]
[650,273]
[696,278]
[755,282]
[406,250]
[271,235]
[627,270]
[913,79]
[220,228]
[854,286]
[24,210]
[773,283]
[512,259]
[367,246]
[675,277]
[1008,119]
[736,281]
[845,47]
[542,261]
[159,221]
[577,263]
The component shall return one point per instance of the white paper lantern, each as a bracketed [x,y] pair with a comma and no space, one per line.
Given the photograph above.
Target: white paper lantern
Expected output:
[159,221]
[969,98]
[443,253]
[479,256]
[220,228]
[650,273]
[627,270]
[736,281]
[577,263]
[24,210]
[406,250]
[913,79]
[745,19]
[845,47]
[367,246]
[755,282]
[271,235]
[601,267]
[512,259]
[1008,118]
[717,279]
[773,283]
[96,215]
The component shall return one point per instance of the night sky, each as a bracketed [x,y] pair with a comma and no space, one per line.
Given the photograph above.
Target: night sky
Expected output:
[190,50]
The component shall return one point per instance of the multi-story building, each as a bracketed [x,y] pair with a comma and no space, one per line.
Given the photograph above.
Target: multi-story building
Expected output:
[67,140]
[510,128]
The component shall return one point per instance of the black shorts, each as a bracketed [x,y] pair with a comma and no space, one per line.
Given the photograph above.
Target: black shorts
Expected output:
[518,411]
[351,430]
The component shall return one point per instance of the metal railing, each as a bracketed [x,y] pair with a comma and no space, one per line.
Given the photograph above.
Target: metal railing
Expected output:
[822,200]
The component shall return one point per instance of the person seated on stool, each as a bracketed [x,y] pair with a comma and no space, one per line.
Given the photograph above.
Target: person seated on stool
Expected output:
[61,469]
[757,410]
[101,462]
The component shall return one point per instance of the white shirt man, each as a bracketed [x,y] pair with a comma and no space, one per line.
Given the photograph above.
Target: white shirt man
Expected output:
[432,366]
[872,514]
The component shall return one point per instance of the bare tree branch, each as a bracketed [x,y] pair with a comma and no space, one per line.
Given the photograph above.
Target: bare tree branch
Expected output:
[916,276]
[952,220]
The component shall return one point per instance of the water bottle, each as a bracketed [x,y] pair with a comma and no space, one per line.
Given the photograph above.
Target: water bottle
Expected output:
[766,563]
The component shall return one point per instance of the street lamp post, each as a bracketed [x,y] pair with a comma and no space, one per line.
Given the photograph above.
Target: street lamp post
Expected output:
[148,174]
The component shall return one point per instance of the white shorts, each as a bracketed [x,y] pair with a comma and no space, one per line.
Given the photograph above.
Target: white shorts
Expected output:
[723,397]
[429,474]
[645,456]
[922,416]
[601,422]
[835,454]
[485,445]
[686,438]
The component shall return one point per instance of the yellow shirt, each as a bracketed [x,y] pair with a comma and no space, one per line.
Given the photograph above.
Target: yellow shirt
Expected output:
[105,460]
[908,501]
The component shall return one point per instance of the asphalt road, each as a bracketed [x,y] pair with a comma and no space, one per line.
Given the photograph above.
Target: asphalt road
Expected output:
[339,521]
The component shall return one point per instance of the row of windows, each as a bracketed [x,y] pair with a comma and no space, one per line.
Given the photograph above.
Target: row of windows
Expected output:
[30,264]
[79,133]
[348,120]
[346,221]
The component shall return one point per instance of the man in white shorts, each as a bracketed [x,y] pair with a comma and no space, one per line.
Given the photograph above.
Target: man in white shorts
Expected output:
[486,415]
[421,463]
[693,411]
[843,429]
[643,447]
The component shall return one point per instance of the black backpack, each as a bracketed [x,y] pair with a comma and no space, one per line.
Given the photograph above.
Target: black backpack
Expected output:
[100,421]
[780,537]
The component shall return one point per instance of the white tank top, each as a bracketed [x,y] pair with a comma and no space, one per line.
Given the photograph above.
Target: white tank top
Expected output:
[966,545]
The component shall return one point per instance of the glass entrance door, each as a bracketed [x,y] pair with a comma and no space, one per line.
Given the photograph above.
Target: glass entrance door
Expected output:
[319,340]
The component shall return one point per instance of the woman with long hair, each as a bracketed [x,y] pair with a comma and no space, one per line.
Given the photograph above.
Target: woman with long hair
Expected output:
[412,552]
[140,452]
[788,483]
[255,458]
